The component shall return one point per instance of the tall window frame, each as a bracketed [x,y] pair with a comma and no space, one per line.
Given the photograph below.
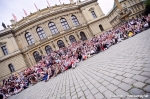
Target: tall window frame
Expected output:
[5,50]
[75,20]
[37,56]
[48,49]
[83,36]
[93,14]
[53,28]
[41,33]
[72,39]
[60,43]
[11,68]
[64,23]
[29,38]
[101,27]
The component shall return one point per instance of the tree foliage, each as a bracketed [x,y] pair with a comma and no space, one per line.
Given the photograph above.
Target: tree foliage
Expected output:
[147,7]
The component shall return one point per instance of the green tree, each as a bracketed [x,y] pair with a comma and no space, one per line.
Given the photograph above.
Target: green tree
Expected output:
[147,7]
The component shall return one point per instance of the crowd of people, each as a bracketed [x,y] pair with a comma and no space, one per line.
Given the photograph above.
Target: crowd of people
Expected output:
[67,57]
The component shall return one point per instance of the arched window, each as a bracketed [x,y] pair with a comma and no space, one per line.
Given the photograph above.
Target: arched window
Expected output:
[93,14]
[83,37]
[72,38]
[53,27]
[41,33]
[37,56]
[29,38]
[101,27]
[75,20]
[60,44]
[64,23]
[48,49]
[11,68]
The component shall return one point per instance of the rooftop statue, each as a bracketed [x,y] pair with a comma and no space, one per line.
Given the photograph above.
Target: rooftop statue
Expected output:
[4,25]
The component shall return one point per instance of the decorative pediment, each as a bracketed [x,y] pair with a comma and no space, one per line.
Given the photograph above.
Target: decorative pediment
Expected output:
[91,9]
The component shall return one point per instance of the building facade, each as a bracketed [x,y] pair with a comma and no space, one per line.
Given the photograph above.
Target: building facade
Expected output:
[52,28]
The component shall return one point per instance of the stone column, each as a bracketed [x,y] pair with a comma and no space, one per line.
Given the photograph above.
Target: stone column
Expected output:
[46,29]
[69,21]
[34,35]
[24,41]
[67,40]
[53,46]
[76,37]
[56,46]
[58,25]
[64,39]
[31,59]
[79,18]
[43,50]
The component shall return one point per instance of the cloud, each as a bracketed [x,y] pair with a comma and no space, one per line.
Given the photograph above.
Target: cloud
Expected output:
[9,7]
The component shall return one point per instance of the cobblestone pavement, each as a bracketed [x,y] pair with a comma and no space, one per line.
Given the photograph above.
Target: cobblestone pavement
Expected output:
[123,69]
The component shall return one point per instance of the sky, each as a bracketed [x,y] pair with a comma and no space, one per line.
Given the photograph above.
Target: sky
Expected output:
[9,7]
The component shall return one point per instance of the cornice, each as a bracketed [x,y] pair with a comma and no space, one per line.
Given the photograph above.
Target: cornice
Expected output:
[3,58]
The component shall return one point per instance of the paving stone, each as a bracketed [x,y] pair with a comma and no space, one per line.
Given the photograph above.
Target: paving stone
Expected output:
[140,78]
[139,84]
[105,83]
[87,92]
[98,96]
[128,75]
[146,69]
[129,81]
[125,86]
[137,68]
[136,91]
[97,85]
[73,93]
[90,97]
[101,80]
[82,97]
[135,72]
[102,89]
[84,88]
[120,73]
[147,88]
[115,82]
[80,94]
[146,74]
[90,86]
[147,81]
[94,91]
[112,75]
[108,94]
[74,97]
[109,79]
[78,89]
[119,77]
[121,92]
[112,87]
[127,70]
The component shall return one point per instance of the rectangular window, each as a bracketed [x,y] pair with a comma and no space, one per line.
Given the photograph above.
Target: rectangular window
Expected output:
[93,14]
[4,49]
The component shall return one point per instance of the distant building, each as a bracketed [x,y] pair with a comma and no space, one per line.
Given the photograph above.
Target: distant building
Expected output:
[54,27]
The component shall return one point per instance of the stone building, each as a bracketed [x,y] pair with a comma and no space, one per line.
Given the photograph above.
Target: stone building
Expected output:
[54,27]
